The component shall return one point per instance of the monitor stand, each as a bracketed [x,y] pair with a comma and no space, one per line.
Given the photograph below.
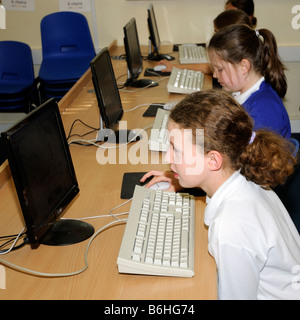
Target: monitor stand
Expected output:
[118,136]
[141,83]
[156,56]
[159,57]
[66,232]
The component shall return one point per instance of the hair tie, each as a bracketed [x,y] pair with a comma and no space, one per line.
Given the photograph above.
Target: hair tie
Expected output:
[257,33]
[252,137]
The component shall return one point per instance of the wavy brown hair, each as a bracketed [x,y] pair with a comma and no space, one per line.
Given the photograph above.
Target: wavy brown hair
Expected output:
[267,161]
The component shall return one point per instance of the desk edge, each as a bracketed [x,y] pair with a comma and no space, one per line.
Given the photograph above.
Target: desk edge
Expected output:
[4,173]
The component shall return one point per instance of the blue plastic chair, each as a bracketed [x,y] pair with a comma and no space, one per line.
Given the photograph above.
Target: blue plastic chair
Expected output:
[67,48]
[16,76]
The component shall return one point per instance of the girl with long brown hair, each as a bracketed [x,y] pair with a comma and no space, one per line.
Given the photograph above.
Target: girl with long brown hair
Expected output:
[247,64]
[252,238]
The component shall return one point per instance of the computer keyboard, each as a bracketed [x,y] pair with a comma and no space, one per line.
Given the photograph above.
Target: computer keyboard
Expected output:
[159,235]
[190,54]
[159,139]
[185,81]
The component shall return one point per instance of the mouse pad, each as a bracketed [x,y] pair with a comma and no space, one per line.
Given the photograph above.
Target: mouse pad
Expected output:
[130,180]
[176,46]
[151,111]
[150,72]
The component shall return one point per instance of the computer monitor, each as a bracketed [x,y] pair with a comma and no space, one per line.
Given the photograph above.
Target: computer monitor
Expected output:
[134,57]
[109,101]
[44,177]
[154,38]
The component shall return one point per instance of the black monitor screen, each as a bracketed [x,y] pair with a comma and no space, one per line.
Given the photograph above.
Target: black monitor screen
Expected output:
[106,89]
[153,29]
[133,51]
[42,168]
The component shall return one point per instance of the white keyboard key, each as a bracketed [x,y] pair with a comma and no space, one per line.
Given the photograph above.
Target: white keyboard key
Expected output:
[192,54]
[165,244]
[185,81]
[159,140]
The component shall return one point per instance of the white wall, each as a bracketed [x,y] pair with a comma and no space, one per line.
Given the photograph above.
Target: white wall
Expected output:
[190,20]
[178,21]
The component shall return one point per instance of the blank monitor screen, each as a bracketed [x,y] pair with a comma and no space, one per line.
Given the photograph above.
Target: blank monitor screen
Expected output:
[42,168]
[106,89]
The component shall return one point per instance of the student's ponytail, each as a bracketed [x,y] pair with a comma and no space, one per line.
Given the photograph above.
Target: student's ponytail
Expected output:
[267,160]
[271,66]
[263,157]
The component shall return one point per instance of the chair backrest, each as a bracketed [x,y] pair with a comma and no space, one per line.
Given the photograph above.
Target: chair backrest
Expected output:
[16,65]
[67,34]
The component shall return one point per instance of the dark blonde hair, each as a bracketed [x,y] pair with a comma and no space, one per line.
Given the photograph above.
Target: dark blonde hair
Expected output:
[267,160]
[237,42]
[230,17]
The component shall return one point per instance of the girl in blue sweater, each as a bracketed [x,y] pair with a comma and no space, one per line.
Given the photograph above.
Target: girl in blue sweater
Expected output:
[247,64]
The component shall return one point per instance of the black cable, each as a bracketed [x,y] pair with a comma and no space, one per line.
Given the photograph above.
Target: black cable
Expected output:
[13,236]
[25,241]
[121,87]
[69,135]
[15,248]
[83,144]
[82,135]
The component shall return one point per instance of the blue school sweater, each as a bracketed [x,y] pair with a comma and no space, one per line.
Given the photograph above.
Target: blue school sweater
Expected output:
[267,110]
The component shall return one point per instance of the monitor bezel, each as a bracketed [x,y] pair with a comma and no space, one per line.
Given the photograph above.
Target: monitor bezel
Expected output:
[128,28]
[36,233]
[153,29]
[109,123]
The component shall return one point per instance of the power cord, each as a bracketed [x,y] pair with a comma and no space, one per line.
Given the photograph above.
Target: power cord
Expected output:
[93,142]
[2,252]
[83,135]
[60,275]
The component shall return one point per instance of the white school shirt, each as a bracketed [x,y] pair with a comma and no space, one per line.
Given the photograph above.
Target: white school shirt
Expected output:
[254,242]
[241,98]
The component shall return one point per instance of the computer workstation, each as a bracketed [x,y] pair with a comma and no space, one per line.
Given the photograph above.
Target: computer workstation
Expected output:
[181,80]
[100,188]
[109,101]
[134,57]
[44,177]
[137,255]
[154,38]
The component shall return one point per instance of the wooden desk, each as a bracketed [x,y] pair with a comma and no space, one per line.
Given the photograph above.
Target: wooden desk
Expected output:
[99,192]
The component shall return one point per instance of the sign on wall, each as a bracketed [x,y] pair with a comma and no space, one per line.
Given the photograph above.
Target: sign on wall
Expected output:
[73,5]
[21,5]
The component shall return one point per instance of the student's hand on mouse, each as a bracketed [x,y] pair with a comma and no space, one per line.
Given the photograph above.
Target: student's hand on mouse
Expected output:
[159,176]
